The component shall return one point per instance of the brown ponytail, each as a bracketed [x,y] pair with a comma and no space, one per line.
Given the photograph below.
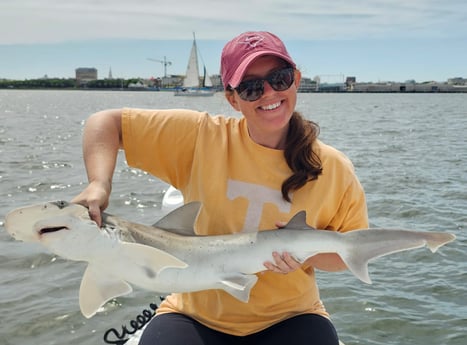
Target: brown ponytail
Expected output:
[302,160]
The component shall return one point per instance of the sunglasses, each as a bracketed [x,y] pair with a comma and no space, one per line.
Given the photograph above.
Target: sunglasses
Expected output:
[252,90]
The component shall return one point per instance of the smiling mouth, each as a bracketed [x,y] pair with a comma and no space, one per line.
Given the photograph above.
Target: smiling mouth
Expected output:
[271,106]
[52,229]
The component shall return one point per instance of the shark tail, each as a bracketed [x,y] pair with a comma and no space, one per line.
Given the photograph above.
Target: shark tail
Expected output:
[366,245]
[358,265]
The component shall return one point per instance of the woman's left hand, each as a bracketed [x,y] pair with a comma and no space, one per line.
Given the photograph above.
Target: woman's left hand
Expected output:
[284,263]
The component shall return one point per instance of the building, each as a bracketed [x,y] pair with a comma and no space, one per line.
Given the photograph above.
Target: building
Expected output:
[426,87]
[170,81]
[457,81]
[307,85]
[350,82]
[85,75]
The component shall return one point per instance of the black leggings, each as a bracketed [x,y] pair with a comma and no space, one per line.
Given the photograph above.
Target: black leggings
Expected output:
[178,329]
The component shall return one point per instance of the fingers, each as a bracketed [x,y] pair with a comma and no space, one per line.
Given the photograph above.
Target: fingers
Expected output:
[96,199]
[95,213]
[284,263]
[94,209]
[280,224]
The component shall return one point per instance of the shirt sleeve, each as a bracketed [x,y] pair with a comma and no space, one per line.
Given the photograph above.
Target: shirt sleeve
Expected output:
[352,213]
[161,142]
[346,200]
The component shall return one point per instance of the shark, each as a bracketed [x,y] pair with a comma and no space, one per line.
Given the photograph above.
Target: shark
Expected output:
[169,257]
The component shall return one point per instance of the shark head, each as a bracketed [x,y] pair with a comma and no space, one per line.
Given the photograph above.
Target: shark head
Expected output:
[66,230]
[50,223]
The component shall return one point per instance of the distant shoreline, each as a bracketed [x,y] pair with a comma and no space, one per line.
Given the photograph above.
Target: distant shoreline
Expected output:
[137,85]
[464,90]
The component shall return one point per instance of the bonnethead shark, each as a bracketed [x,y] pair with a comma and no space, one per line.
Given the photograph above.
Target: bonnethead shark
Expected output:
[170,257]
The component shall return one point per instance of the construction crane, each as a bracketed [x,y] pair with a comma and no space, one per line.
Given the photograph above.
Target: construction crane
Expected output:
[164,62]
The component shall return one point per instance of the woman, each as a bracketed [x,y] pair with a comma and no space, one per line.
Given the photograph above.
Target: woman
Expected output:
[250,173]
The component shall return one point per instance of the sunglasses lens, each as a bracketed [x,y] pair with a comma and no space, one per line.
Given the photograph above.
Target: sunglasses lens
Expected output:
[252,90]
[282,79]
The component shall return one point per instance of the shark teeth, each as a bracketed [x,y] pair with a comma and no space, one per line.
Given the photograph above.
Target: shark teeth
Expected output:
[271,106]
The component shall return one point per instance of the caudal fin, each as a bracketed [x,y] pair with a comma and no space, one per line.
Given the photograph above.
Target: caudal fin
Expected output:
[358,265]
[362,246]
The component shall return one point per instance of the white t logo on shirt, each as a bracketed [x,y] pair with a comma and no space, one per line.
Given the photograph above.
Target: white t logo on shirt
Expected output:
[257,196]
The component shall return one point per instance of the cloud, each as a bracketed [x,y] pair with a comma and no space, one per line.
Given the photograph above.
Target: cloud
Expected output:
[49,21]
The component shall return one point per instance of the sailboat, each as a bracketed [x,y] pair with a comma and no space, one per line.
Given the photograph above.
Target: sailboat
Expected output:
[191,83]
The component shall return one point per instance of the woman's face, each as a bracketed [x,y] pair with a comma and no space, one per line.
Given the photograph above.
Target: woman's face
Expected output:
[267,117]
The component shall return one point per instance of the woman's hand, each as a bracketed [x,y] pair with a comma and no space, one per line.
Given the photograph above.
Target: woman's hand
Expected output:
[284,263]
[96,198]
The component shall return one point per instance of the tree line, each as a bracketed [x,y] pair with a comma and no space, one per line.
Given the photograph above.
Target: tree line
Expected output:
[65,83]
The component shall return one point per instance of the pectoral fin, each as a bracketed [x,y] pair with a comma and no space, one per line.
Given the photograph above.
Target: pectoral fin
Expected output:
[239,285]
[97,288]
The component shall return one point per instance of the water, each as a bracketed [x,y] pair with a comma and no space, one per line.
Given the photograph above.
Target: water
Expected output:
[410,153]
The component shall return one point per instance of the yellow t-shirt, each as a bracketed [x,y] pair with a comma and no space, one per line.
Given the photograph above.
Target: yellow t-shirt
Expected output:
[212,159]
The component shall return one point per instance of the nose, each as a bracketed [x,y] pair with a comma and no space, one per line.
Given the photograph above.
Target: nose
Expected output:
[267,87]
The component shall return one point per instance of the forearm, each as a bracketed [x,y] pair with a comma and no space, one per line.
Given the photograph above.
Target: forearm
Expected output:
[330,262]
[285,263]
[101,142]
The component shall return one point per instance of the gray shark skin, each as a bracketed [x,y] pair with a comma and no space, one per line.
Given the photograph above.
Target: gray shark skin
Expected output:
[170,257]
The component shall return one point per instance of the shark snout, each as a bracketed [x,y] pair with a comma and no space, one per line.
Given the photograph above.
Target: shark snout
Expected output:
[30,223]
[20,226]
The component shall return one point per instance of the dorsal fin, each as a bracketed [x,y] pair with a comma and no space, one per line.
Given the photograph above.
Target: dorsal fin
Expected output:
[298,222]
[181,220]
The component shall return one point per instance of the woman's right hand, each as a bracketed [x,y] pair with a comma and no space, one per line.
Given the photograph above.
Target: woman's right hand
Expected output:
[96,198]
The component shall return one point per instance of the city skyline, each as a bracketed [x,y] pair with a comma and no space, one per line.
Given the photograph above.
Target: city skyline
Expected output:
[374,41]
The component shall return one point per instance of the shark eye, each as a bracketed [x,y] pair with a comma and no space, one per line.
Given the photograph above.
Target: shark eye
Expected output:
[61,204]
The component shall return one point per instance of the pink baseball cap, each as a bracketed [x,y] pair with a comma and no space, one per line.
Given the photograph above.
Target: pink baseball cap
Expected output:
[241,51]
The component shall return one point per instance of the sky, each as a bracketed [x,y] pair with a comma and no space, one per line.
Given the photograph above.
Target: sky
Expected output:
[373,40]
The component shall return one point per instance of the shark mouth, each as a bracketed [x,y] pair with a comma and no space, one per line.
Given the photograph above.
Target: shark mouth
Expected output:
[44,231]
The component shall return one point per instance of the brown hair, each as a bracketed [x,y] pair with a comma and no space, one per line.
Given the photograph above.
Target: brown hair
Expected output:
[302,160]
[299,155]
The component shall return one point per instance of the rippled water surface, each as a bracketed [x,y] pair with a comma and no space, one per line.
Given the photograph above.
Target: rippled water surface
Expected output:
[410,153]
